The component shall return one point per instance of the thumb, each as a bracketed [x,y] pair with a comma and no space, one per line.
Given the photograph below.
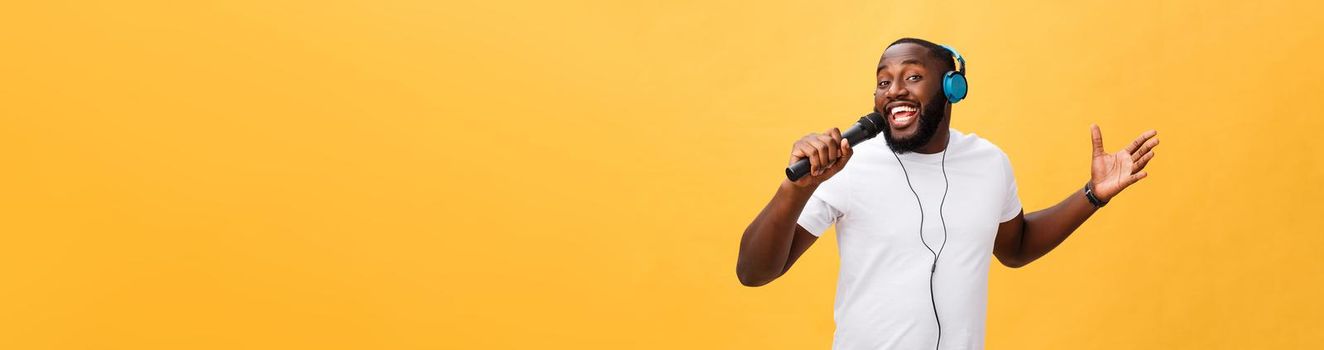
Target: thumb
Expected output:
[1097,138]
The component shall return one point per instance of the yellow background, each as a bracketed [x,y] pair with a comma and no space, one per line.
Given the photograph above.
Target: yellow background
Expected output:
[577,174]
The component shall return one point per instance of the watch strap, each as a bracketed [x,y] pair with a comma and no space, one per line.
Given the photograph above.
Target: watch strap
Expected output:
[1089,194]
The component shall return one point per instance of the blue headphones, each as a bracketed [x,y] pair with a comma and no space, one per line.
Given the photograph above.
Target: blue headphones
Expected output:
[953,83]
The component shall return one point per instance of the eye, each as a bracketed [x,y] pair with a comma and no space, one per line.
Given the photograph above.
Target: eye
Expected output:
[913,78]
[884,83]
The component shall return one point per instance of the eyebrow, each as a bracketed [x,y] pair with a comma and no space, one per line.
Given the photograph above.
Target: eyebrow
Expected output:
[907,61]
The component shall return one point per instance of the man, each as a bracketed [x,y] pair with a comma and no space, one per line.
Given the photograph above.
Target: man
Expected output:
[918,215]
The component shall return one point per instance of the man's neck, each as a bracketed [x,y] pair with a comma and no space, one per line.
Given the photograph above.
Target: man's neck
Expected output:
[939,141]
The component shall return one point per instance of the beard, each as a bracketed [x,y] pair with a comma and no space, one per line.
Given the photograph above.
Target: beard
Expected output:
[930,117]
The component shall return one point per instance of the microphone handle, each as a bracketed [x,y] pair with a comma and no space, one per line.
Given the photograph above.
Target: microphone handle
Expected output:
[856,134]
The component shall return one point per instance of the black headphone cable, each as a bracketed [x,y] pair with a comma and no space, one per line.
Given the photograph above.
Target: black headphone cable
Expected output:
[933,269]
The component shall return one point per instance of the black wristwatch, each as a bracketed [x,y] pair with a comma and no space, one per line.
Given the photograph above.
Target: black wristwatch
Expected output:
[1089,194]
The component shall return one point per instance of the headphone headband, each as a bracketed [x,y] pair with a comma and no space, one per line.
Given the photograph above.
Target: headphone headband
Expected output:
[958,57]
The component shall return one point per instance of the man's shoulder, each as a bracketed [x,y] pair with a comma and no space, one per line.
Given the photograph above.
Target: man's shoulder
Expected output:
[976,145]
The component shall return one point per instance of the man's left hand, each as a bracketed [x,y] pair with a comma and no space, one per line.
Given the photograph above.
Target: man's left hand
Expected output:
[1112,173]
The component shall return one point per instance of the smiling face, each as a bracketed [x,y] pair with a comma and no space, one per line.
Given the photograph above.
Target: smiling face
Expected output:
[909,95]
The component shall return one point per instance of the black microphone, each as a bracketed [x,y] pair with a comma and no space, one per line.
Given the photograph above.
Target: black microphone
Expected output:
[868,127]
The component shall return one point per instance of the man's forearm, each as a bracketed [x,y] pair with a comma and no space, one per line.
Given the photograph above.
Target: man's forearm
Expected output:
[1047,228]
[766,244]
[1022,240]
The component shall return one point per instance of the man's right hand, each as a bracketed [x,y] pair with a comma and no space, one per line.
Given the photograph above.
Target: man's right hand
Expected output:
[827,154]
[773,241]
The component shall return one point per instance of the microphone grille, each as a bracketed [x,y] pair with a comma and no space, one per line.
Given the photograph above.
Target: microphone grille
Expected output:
[873,122]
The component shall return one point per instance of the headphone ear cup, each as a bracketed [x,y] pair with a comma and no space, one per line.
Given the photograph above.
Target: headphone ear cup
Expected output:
[954,86]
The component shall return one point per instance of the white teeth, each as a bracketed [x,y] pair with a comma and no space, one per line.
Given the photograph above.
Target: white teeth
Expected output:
[899,109]
[906,119]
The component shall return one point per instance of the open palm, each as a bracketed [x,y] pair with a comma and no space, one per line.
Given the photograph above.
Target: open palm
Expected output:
[1113,172]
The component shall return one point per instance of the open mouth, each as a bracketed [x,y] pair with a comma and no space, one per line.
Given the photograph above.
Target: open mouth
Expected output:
[902,114]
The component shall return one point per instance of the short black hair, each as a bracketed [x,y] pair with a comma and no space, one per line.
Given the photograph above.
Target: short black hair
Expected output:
[942,55]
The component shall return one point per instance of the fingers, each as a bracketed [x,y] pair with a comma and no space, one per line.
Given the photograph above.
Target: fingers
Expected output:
[804,149]
[846,153]
[1137,176]
[796,154]
[833,140]
[1137,147]
[1097,138]
[837,164]
[1143,161]
[1145,147]
[835,134]
[829,149]
[825,152]
[1142,149]
[817,155]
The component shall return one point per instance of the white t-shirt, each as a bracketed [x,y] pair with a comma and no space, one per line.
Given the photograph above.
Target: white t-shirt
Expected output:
[883,299]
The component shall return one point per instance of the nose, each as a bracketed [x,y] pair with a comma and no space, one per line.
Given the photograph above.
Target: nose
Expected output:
[896,89]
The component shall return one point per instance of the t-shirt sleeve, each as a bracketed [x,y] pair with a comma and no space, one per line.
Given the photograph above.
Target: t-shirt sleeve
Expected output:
[817,215]
[1011,205]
